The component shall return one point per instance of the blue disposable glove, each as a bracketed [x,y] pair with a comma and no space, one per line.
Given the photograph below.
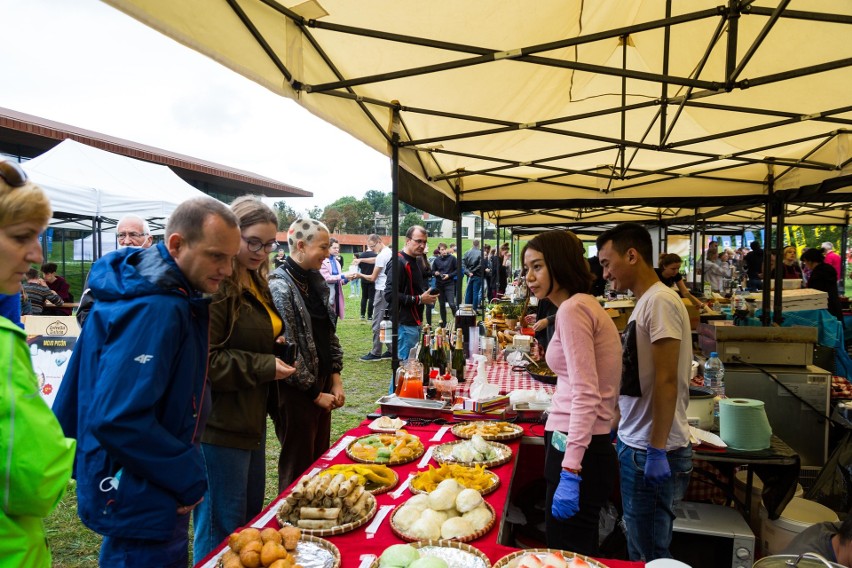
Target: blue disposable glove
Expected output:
[566,500]
[656,466]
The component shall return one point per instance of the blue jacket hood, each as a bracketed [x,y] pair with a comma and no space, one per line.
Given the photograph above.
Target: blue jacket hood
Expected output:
[133,272]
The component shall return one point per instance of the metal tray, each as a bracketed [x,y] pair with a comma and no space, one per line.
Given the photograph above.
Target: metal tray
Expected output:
[392,404]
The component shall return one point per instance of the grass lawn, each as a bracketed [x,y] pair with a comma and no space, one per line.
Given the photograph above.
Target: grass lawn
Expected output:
[74,545]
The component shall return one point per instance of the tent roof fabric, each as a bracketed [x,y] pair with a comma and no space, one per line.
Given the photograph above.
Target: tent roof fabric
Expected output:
[28,135]
[578,108]
[84,181]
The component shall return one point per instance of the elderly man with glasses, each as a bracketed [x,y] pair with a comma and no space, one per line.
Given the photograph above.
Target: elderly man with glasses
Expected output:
[131,231]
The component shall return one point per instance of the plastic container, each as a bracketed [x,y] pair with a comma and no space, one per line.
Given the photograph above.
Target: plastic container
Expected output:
[714,378]
[386,329]
[797,516]
[756,495]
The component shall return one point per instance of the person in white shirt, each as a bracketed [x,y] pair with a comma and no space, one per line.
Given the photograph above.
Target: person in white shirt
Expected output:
[379,277]
[654,453]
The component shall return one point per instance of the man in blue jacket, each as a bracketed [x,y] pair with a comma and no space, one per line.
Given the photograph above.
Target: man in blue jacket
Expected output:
[133,395]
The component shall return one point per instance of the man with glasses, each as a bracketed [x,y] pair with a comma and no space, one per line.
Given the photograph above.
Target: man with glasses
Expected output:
[412,290]
[379,277]
[134,393]
[131,231]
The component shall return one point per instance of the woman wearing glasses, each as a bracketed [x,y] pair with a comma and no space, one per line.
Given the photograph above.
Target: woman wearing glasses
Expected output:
[34,474]
[244,327]
[669,274]
[301,405]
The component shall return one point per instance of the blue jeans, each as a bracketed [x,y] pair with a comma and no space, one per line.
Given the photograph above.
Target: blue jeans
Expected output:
[409,336]
[119,552]
[236,480]
[473,293]
[648,510]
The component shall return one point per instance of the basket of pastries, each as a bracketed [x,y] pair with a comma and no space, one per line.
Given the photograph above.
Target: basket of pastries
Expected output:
[278,548]
[448,512]
[325,505]
[432,554]
[395,448]
[475,477]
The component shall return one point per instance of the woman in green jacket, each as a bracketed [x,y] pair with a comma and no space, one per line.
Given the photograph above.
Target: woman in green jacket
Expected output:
[244,325]
[35,457]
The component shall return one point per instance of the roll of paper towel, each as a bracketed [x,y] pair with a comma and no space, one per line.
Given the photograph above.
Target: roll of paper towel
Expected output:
[743,424]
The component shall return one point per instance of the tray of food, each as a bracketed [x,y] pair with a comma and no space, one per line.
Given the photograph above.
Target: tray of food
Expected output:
[475,451]
[376,478]
[386,424]
[476,477]
[273,548]
[325,505]
[391,404]
[393,449]
[541,372]
[450,512]
[432,554]
[489,430]
[537,557]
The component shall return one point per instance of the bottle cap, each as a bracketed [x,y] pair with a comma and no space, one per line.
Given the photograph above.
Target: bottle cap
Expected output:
[713,354]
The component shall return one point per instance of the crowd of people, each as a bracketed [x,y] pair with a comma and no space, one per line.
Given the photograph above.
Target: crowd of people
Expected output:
[160,426]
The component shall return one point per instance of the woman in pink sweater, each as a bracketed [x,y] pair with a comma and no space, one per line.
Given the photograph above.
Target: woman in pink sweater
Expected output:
[585,353]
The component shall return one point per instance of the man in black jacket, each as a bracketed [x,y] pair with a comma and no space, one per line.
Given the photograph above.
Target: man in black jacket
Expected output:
[445,269]
[412,289]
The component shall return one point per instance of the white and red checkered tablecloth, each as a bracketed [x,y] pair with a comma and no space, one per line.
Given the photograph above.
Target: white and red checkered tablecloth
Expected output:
[506,377]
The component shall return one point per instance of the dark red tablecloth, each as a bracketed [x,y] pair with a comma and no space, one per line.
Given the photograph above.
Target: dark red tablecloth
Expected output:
[355,544]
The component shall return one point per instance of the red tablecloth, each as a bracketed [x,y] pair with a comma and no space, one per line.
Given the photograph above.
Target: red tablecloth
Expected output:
[354,544]
[507,378]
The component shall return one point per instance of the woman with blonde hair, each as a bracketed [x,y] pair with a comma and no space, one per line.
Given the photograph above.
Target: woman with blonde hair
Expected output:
[35,474]
[301,405]
[244,328]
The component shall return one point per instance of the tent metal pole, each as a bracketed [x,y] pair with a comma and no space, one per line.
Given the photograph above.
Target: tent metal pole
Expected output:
[701,251]
[844,235]
[395,126]
[767,234]
[778,277]
[459,269]
[499,266]
[695,250]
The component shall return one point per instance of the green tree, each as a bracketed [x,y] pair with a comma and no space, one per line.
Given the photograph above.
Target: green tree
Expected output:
[286,215]
[379,201]
[409,220]
[332,218]
[314,212]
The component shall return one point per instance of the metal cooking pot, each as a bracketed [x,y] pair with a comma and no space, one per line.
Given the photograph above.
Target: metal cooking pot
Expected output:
[806,560]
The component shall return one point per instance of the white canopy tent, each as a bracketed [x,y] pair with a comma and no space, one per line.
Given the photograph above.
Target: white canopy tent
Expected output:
[552,111]
[82,181]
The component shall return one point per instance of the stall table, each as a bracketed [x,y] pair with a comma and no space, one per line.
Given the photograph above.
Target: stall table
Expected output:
[506,377]
[356,546]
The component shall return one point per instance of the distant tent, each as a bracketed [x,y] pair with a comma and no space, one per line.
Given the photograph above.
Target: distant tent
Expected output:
[90,188]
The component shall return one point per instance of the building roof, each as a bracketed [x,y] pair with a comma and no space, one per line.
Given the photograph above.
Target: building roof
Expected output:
[28,136]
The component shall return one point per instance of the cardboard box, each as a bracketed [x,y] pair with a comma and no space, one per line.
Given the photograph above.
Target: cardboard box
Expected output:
[693,314]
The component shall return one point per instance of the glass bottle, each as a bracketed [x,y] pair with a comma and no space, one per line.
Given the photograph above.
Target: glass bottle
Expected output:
[439,359]
[425,356]
[459,361]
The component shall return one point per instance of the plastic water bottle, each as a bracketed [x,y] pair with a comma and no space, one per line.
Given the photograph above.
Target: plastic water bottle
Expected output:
[714,378]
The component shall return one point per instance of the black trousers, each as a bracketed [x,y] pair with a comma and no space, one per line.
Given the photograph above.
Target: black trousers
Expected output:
[448,295]
[599,474]
[368,289]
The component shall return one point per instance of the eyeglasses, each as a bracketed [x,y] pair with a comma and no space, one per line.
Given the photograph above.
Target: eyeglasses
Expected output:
[13,174]
[254,245]
[130,235]
[420,241]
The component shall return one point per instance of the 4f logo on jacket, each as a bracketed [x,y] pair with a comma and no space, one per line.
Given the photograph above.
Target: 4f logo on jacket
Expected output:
[143,358]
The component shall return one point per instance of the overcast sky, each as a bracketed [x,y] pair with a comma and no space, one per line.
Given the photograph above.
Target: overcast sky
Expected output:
[84,63]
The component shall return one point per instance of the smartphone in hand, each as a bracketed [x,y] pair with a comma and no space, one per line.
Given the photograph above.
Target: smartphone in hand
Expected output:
[286,352]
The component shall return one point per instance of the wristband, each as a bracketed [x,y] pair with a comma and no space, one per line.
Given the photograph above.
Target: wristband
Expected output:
[572,470]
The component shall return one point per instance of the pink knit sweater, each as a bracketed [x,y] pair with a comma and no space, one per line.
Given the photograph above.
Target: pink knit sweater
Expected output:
[585,354]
